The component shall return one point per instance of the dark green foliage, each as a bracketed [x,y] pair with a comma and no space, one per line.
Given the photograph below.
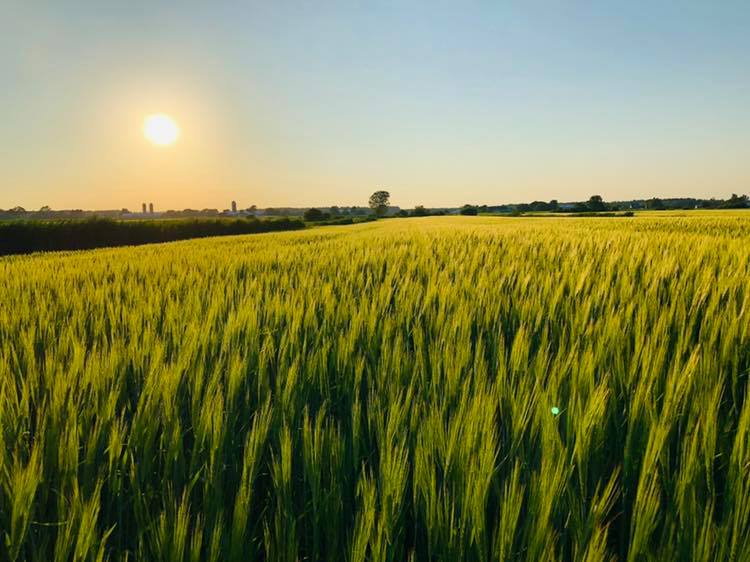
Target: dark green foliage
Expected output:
[735,202]
[655,204]
[421,211]
[19,237]
[534,207]
[379,202]
[316,215]
[596,203]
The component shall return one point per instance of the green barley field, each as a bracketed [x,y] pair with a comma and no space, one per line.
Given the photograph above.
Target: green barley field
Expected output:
[442,389]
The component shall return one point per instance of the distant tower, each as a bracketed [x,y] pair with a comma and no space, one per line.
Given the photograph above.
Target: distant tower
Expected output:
[144,208]
[151,208]
[234,206]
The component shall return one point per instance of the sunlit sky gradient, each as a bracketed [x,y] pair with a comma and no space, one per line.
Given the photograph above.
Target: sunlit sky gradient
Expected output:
[320,103]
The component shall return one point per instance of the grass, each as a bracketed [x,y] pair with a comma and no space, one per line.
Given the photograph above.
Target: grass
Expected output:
[383,392]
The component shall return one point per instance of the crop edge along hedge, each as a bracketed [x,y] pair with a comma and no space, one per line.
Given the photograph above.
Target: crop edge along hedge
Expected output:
[29,236]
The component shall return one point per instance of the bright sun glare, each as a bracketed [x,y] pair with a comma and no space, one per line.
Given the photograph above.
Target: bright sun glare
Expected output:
[161,129]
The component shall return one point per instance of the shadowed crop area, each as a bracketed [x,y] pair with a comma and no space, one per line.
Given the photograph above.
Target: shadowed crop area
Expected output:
[418,389]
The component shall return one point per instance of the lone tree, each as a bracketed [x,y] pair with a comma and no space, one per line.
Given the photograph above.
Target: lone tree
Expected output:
[379,202]
[596,203]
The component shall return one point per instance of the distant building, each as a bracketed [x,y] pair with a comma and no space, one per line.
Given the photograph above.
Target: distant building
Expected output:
[234,206]
[144,208]
[151,208]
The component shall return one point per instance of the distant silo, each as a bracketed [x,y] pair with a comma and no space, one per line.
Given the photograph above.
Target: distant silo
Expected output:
[234,206]
[144,208]
[151,208]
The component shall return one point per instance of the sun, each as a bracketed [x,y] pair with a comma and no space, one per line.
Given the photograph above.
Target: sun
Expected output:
[161,129]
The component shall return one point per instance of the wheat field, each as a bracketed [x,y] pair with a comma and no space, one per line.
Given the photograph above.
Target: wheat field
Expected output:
[445,389]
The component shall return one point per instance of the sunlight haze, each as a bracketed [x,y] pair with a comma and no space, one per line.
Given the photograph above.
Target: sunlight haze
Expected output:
[299,104]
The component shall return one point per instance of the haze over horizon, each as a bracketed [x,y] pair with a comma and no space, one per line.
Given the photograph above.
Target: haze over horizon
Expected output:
[305,105]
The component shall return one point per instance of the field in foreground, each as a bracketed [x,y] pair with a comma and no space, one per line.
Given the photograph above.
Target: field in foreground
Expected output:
[383,392]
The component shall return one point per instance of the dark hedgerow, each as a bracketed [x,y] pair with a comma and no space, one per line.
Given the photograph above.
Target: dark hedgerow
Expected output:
[21,237]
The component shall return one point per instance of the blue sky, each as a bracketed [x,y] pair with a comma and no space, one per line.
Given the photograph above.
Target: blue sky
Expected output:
[321,103]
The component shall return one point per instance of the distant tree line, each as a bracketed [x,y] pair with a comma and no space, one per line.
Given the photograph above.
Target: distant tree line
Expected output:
[421,211]
[25,236]
[379,207]
[330,218]
[734,202]
[332,212]
[596,204]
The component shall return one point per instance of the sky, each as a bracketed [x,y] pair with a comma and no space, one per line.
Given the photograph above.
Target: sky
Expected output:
[322,103]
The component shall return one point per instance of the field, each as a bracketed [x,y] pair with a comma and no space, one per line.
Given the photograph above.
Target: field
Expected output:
[418,389]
